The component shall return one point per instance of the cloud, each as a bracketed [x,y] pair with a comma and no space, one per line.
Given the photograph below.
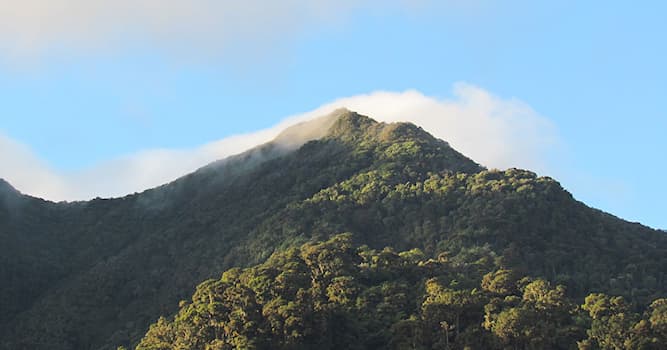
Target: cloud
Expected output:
[495,132]
[27,172]
[498,133]
[33,27]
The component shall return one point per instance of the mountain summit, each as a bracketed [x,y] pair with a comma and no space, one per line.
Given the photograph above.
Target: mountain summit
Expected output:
[94,275]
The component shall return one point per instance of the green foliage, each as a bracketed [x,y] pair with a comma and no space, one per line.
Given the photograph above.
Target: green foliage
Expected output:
[366,300]
[538,317]
[614,325]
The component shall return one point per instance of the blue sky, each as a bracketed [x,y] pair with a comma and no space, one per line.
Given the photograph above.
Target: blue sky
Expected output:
[595,70]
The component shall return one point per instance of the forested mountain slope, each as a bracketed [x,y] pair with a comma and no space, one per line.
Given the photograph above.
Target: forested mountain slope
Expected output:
[333,295]
[92,275]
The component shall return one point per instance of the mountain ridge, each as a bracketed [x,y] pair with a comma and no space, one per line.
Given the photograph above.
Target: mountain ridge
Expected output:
[341,123]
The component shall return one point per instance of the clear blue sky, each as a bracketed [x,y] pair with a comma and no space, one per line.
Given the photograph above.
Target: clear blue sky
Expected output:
[597,70]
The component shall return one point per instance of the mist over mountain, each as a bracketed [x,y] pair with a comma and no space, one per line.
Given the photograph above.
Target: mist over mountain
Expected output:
[96,274]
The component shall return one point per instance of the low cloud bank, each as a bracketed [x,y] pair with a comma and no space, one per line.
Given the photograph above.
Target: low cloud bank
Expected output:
[496,132]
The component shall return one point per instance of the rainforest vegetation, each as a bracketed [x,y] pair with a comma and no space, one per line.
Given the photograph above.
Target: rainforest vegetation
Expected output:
[334,295]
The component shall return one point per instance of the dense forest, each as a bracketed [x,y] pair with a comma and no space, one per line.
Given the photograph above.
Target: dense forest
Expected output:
[333,295]
[490,258]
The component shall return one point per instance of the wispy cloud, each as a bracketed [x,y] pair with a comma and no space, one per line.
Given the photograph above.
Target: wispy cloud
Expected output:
[496,132]
[27,172]
[33,27]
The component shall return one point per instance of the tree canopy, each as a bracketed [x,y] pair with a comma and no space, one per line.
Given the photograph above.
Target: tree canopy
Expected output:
[333,295]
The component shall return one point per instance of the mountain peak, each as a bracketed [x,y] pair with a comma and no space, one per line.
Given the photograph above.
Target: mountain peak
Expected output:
[300,133]
[342,124]
[350,125]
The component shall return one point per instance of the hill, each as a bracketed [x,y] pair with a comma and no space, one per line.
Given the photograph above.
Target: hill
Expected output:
[93,275]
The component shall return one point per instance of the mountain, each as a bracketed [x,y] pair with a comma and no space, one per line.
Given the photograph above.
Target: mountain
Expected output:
[7,191]
[96,274]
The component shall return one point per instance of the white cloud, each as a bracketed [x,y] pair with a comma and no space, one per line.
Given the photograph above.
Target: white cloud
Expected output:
[29,27]
[498,133]
[495,132]
[27,172]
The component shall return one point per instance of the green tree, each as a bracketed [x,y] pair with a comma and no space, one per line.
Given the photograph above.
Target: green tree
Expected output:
[444,308]
[612,321]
